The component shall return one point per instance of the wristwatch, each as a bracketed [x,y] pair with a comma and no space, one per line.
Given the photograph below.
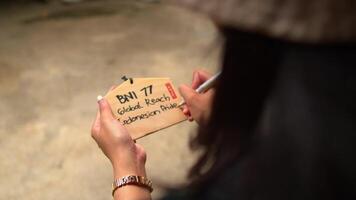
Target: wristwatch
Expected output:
[132,180]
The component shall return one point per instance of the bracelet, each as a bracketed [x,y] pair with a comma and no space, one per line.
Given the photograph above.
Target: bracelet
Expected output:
[132,180]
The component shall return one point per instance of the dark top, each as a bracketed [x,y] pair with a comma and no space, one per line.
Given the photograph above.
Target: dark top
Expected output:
[310,123]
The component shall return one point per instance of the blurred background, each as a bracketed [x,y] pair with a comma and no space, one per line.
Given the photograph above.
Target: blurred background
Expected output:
[56,56]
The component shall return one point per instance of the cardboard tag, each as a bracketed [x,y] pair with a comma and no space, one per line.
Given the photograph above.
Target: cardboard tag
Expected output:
[146,105]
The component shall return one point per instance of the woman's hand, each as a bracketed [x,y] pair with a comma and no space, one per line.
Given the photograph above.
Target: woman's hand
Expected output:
[127,157]
[197,105]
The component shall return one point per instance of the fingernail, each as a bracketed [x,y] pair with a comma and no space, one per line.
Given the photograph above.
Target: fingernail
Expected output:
[99,98]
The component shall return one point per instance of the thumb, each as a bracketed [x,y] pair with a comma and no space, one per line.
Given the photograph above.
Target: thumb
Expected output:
[189,95]
[105,110]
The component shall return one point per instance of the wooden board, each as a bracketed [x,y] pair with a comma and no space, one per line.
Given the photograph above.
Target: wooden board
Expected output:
[146,105]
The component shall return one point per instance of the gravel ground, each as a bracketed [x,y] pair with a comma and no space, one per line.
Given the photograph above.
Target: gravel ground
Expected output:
[55,59]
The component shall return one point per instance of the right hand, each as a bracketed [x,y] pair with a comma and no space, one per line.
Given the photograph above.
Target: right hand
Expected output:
[198,106]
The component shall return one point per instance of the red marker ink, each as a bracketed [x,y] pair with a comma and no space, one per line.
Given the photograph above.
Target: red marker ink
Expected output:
[171,90]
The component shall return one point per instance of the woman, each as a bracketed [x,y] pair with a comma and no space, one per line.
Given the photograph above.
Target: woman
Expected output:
[281,124]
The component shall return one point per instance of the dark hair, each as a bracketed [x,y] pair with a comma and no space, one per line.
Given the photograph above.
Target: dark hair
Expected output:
[249,67]
[276,162]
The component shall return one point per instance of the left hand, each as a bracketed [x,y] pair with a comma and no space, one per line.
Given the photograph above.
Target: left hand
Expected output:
[127,157]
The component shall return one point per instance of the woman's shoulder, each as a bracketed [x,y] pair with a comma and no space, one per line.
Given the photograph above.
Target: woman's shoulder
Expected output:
[224,186]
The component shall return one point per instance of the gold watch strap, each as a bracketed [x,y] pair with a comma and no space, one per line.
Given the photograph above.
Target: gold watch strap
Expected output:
[132,180]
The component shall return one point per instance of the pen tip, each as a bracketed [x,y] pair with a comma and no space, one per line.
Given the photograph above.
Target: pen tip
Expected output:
[181,104]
